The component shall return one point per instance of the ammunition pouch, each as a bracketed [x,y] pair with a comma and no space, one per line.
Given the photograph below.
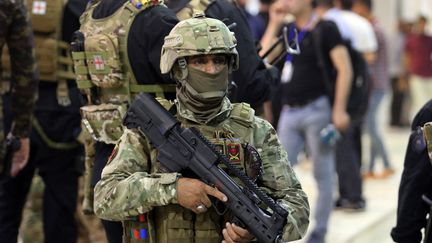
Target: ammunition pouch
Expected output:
[45,15]
[103,61]
[177,224]
[104,122]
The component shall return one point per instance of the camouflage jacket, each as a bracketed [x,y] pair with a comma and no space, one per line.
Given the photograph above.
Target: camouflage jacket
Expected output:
[16,32]
[130,184]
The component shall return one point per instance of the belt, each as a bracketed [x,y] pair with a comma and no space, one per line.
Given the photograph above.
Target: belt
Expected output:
[301,104]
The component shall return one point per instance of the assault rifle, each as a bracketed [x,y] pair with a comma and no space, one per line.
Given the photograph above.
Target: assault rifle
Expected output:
[13,144]
[186,148]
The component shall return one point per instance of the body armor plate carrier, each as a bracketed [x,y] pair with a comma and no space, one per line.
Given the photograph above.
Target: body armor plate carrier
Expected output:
[103,71]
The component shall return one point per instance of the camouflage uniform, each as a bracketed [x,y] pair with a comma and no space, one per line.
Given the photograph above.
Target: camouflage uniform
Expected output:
[120,58]
[16,32]
[132,183]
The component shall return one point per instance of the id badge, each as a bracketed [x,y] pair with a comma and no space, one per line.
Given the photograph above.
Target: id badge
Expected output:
[287,72]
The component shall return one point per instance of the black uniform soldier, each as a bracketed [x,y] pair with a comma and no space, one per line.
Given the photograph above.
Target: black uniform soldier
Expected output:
[416,181]
[55,153]
[116,55]
[15,31]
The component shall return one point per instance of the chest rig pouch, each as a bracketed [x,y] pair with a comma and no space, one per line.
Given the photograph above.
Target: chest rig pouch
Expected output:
[52,54]
[103,71]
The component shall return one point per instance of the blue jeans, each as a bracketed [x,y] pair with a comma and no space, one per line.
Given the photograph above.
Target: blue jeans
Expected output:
[300,126]
[377,148]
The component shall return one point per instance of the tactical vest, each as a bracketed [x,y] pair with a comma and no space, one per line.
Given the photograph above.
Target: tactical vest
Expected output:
[173,223]
[103,71]
[192,7]
[52,54]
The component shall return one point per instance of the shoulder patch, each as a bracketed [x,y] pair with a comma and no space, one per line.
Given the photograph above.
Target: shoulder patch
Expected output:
[113,153]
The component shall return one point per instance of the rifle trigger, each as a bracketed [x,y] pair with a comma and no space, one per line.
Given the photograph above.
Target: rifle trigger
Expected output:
[219,207]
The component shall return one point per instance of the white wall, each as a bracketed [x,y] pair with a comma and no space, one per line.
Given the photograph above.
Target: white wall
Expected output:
[386,13]
[411,9]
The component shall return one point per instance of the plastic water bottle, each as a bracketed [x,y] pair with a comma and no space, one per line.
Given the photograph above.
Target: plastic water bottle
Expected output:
[329,134]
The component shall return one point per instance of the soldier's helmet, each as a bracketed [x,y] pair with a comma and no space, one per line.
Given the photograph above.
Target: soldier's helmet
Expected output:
[198,36]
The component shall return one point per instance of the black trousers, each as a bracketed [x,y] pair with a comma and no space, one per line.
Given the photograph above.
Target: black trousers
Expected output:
[59,200]
[397,103]
[348,163]
[113,230]
[59,169]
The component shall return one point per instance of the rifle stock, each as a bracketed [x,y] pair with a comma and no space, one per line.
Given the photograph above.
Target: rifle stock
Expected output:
[186,148]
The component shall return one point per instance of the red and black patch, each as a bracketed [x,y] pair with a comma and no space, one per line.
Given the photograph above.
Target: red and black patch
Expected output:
[113,154]
[233,152]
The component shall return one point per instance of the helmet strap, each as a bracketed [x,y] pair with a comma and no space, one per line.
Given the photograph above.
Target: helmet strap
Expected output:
[231,64]
[179,70]
[182,64]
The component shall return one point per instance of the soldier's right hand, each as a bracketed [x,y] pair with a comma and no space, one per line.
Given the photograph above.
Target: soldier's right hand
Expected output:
[192,193]
[278,11]
[20,157]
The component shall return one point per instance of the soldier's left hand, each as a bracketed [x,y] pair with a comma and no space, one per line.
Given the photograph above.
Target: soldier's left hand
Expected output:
[341,119]
[233,233]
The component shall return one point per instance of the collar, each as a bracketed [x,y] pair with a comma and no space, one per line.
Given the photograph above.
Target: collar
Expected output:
[222,115]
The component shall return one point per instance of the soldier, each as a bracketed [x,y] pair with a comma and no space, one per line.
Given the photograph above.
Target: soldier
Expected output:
[199,53]
[416,182]
[56,155]
[16,32]
[253,79]
[116,55]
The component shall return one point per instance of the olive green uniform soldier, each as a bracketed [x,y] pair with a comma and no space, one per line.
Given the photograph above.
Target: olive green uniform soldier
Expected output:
[55,152]
[116,55]
[16,33]
[166,207]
